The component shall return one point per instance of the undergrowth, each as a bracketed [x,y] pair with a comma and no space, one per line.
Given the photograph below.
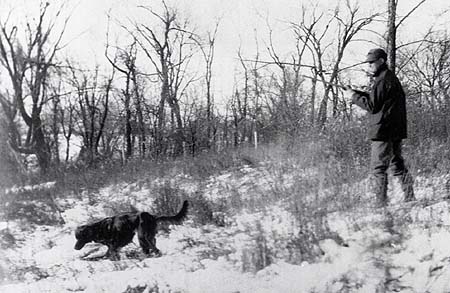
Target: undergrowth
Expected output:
[307,178]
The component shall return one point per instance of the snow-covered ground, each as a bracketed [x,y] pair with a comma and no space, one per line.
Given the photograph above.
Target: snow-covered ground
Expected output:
[404,248]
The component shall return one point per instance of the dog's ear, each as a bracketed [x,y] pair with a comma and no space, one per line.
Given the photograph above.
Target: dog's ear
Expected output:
[82,236]
[80,231]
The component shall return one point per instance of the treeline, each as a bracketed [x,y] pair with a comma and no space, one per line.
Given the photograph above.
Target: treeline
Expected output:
[154,102]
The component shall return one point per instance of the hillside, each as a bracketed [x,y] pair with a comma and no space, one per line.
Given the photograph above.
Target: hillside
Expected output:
[251,228]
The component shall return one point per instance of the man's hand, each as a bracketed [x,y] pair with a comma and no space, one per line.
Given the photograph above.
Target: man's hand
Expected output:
[346,87]
[348,93]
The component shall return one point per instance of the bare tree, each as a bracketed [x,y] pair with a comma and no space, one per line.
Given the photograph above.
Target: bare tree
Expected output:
[93,107]
[237,112]
[241,104]
[208,51]
[127,58]
[392,27]
[67,121]
[348,24]
[55,121]
[289,105]
[169,49]
[28,64]
[428,79]
[139,105]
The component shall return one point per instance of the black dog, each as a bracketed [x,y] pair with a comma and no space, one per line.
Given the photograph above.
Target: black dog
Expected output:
[118,231]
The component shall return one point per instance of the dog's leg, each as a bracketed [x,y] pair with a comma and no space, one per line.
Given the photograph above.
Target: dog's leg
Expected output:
[148,242]
[155,250]
[146,233]
[112,253]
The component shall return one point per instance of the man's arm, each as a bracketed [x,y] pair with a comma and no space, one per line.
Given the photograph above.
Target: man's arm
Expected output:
[361,99]
[371,101]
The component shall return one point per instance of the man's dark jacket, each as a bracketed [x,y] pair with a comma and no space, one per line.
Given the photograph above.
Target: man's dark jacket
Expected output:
[386,106]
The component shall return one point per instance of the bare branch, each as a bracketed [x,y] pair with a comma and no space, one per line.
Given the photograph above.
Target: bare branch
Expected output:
[409,13]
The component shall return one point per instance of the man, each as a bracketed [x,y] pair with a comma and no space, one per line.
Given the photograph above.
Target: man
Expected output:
[385,104]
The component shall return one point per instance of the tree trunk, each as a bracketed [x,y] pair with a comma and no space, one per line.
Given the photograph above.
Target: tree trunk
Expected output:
[313,99]
[391,34]
[55,131]
[141,127]
[179,135]
[322,115]
[42,149]
[175,107]
[140,117]
[128,129]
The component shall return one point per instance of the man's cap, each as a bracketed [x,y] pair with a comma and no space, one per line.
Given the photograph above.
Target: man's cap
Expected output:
[376,54]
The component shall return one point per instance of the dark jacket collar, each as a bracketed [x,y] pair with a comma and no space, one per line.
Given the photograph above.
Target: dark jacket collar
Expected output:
[382,68]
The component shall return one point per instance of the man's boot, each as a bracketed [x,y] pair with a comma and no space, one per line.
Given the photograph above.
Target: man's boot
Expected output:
[408,187]
[407,183]
[379,187]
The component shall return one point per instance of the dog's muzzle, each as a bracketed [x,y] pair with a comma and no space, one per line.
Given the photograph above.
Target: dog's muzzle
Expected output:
[80,244]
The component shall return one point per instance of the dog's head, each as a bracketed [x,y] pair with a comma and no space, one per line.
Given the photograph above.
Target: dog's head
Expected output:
[83,234]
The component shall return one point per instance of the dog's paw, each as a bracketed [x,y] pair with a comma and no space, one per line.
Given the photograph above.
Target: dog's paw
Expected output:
[155,253]
[134,254]
[114,258]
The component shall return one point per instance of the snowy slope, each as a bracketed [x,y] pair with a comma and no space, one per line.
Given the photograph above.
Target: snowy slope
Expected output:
[401,249]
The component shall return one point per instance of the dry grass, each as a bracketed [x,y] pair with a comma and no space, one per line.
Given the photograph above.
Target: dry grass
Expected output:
[308,178]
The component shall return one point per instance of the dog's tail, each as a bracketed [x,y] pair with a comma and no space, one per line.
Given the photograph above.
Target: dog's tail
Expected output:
[178,218]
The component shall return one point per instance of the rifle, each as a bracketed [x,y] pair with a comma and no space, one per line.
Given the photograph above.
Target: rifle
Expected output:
[341,86]
[300,65]
[344,87]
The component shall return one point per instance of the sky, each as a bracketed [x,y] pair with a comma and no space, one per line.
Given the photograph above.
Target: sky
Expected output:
[241,23]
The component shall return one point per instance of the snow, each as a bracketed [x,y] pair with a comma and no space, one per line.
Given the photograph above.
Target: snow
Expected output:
[42,186]
[400,249]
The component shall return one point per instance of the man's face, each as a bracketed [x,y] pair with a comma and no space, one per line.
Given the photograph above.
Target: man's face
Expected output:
[374,65]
